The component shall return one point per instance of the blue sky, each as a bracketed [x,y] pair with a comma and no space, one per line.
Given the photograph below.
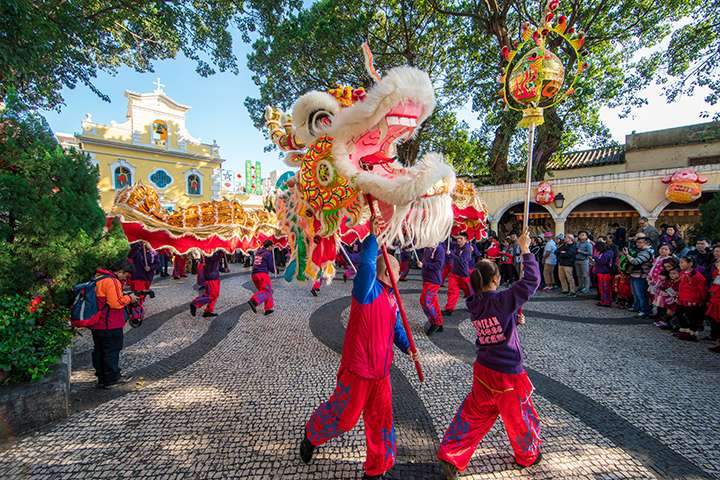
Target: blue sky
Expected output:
[217,110]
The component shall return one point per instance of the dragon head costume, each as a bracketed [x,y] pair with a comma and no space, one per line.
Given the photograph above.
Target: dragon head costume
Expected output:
[344,141]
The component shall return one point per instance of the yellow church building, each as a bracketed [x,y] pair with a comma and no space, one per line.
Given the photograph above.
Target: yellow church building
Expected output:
[152,146]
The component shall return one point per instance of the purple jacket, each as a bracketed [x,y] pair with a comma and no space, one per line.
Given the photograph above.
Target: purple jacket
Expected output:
[461,260]
[604,262]
[433,262]
[212,266]
[494,315]
[141,255]
[264,261]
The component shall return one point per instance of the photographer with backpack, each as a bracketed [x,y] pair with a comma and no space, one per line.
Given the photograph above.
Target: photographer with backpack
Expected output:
[100,306]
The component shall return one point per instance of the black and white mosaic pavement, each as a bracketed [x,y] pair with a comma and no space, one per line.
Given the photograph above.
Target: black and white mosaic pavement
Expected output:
[228,397]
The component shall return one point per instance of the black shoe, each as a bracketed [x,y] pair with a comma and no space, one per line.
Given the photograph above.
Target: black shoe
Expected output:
[430,329]
[447,312]
[715,349]
[314,292]
[120,381]
[268,312]
[210,314]
[450,471]
[253,305]
[439,328]
[193,309]
[373,477]
[523,467]
[306,451]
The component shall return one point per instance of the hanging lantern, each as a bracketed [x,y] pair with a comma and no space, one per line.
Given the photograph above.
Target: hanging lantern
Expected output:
[684,186]
[544,194]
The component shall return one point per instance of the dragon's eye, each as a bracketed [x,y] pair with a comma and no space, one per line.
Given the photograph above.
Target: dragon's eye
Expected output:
[318,121]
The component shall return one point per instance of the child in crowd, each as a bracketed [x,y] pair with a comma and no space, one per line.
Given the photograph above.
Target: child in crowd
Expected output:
[621,285]
[666,295]
[655,277]
[691,301]
[603,263]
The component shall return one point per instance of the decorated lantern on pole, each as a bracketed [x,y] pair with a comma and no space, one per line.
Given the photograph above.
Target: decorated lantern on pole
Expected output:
[537,80]
[544,194]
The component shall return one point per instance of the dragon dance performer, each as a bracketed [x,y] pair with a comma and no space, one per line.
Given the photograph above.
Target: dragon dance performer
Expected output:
[459,277]
[404,264]
[145,262]
[363,380]
[262,266]
[211,282]
[500,383]
[432,266]
[179,263]
[351,266]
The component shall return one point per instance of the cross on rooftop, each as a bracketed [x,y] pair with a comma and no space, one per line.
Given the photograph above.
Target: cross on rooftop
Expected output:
[158,86]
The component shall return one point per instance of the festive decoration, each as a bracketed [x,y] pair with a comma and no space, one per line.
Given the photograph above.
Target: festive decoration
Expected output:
[343,142]
[684,186]
[537,80]
[209,226]
[545,194]
[470,214]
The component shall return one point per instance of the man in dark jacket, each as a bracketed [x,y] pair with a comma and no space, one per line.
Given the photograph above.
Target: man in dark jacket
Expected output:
[703,257]
[641,262]
[566,254]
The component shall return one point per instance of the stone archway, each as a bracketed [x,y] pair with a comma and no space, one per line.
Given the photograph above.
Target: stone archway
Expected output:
[505,219]
[602,213]
[595,195]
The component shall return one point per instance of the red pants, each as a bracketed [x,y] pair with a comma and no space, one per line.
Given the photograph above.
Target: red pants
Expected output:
[264,294]
[179,267]
[354,395]
[455,284]
[316,285]
[404,269]
[605,288]
[209,296]
[493,393]
[430,304]
[138,285]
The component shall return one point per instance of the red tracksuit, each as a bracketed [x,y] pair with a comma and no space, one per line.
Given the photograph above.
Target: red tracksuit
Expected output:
[433,260]
[363,380]
[459,279]
[211,277]
[263,261]
[179,266]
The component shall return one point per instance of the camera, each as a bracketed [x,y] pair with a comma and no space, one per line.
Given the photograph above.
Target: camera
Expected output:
[135,311]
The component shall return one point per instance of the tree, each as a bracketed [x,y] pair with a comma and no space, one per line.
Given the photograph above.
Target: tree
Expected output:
[51,224]
[692,58]
[320,46]
[47,45]
[709,225]
[615,31]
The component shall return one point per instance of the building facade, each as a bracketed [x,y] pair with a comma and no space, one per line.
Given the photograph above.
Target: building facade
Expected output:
[600,187]
[152,146]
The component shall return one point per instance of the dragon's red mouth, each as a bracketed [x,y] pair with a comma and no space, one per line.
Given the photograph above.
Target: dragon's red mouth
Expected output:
[377,146]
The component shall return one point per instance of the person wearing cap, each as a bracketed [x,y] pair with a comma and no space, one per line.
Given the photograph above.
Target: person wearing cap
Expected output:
[549,261]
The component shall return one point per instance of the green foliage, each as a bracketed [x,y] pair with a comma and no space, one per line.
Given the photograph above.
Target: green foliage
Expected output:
[51,238]
[32,340]
[709,225]
[47,45]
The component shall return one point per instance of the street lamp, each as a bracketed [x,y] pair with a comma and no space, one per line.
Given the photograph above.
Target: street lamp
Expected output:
[559,201]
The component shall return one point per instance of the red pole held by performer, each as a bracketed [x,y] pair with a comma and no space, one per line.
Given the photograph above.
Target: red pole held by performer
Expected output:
[393,281]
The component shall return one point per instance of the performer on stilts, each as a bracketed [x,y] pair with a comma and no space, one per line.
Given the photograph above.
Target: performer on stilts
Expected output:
[432,266]
[211,277]
[262,266]
[145,262]
[459,278]
[500,383]
[363,380]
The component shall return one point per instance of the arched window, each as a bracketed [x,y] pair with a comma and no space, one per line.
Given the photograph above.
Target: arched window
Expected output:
[194,184]
[160,178]
[159,133]
[122,177]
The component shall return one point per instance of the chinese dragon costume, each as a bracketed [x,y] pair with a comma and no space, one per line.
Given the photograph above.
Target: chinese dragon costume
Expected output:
[343,141]
[209,226]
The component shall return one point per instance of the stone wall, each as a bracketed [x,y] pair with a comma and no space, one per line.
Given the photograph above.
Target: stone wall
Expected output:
[29,406]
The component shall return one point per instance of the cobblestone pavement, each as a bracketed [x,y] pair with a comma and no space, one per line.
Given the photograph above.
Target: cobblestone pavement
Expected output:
[228,398]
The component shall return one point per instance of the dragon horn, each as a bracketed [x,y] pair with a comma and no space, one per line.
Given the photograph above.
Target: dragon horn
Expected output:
[369,61]
[283,137]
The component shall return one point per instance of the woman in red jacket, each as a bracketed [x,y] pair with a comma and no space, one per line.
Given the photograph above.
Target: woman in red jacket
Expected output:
[691,301]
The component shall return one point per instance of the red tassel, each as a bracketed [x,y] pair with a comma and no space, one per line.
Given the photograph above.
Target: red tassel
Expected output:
[549,16]
[505,53]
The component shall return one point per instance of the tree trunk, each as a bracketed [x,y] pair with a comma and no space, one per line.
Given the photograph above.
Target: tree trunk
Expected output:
[547,143]
[501,146]
[407,151]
